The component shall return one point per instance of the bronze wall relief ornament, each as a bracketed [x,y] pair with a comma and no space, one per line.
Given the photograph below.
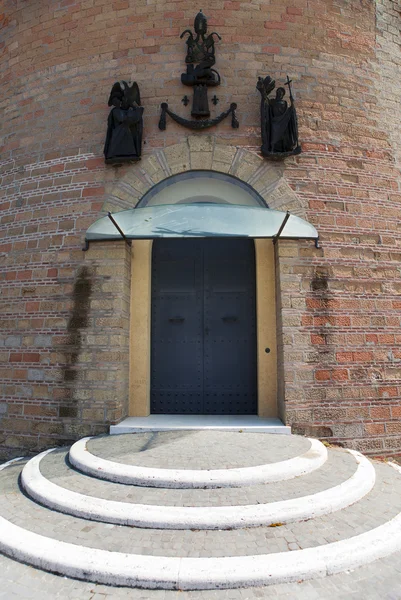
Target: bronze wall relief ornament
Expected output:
[200,76]
[279,125]
[124,125]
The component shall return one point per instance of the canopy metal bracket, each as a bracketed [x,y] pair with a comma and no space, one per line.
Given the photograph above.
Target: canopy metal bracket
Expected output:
[120,231]
[276,237]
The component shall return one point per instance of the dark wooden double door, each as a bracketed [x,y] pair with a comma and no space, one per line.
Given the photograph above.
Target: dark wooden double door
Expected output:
[203,357]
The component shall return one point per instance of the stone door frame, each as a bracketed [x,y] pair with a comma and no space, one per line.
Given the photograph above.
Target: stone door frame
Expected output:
[201,152]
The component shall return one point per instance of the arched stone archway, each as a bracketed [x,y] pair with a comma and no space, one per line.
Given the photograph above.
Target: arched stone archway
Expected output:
[204,152]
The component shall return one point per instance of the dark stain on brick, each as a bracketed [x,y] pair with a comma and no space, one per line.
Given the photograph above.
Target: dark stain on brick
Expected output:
[68,412]
[320,281]
[320,285]
[79,320]
[308,429]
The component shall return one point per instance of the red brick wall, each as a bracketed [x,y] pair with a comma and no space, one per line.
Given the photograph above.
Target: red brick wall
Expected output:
[340,340]
[341,315]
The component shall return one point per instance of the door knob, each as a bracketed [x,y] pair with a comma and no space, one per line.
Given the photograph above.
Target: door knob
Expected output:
[176,319]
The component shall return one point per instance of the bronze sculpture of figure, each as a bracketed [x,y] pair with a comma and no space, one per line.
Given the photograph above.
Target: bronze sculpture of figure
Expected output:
[278,121]
[200,52]
[125,124]
[200,76]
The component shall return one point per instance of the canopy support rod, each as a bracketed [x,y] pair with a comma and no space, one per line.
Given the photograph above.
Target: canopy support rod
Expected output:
[287,216]
[120,231]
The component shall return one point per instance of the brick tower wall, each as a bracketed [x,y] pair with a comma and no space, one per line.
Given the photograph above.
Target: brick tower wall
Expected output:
[339,326]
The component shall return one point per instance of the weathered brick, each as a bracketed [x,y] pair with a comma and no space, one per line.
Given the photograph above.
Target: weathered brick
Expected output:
[338,307]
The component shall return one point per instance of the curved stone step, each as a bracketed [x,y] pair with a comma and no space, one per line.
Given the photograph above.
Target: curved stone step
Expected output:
[83,460]
[135,570]
[339,466]
[374,509]
[210,517]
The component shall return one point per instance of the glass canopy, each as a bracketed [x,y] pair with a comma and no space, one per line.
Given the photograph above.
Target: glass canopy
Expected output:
[200,220]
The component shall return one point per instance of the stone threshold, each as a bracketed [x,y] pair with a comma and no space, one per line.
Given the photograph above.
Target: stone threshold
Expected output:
[245,423]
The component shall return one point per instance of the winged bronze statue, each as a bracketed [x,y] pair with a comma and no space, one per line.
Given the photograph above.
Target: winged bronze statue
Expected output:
[124,125]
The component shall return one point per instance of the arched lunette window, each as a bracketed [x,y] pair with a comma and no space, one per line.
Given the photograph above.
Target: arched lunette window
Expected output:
[201,187]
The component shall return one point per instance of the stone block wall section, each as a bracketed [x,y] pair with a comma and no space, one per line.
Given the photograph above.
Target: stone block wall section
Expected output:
[63,369]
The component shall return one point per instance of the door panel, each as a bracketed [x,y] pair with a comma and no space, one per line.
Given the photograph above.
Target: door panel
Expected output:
[230,327]
[177,326]
[203,327]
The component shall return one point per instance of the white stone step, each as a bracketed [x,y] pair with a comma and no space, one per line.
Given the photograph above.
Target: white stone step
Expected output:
[243,423]
[339,467]
[96,466]
[193,558]
[133,570]
[210,517]
[352,520]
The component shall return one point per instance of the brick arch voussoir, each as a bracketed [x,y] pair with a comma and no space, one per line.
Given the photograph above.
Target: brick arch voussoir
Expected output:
[205,152]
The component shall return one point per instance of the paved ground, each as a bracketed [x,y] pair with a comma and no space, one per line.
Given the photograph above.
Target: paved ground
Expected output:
[379,580]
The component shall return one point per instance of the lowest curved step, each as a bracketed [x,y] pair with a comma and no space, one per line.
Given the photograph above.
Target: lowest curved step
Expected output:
[135,570]
[210,517]
[86,462]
